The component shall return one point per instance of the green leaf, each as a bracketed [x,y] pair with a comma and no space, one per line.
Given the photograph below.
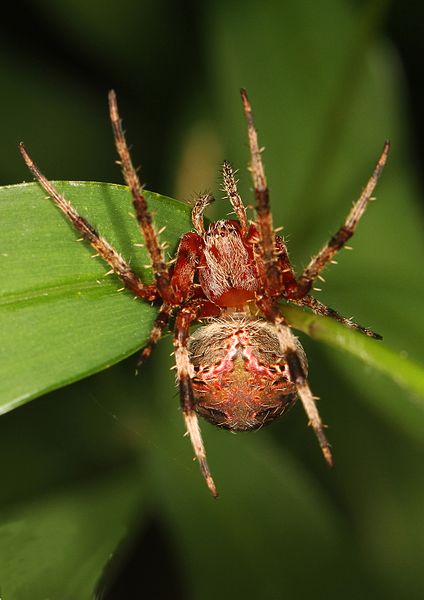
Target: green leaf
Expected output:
[61,318]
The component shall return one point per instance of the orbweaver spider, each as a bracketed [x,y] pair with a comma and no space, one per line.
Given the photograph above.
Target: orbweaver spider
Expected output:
[243,367]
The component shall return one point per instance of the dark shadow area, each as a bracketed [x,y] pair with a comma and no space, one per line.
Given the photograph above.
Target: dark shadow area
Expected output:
[147,569]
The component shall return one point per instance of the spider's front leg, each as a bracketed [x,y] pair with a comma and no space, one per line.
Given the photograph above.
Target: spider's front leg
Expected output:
[171,290]
[298,291]
[276,275]
[270,273]
[144,218]
[339,239]
[275,269]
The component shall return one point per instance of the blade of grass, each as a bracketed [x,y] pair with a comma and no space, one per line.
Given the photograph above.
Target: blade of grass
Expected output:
[402,370]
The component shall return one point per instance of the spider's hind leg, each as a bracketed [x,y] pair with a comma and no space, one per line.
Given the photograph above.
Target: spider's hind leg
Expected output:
[186,315]
[297,372]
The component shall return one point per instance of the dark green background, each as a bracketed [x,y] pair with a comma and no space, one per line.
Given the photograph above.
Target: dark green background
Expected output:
[100,468]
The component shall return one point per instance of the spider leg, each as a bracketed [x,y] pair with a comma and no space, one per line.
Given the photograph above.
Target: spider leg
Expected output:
[230,185]
[271,272]
[199,207]
[321,309]
[160,324]
[102,246]
[297,373]
[185,372]
[345,232]
[274,256]
[143,215]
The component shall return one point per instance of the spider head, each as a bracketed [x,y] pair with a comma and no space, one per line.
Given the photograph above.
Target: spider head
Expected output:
[241,379]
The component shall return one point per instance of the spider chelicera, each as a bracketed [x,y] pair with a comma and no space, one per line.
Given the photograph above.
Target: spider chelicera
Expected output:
[243,367]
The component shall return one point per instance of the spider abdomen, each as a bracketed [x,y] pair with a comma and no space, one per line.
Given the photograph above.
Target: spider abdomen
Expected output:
[241,377]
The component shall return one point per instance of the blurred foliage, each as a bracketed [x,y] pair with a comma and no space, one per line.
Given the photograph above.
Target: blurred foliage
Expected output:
[88,468]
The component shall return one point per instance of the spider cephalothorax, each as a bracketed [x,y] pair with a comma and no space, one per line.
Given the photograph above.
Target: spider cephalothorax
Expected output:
[242,367]
[227,268]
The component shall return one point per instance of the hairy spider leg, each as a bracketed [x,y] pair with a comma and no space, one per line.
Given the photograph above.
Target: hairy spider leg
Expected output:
[199,208]
[297,373]
[339,239]
[99,243]
[182,276]
[321,309]
[230,187]
[160,324]
[297,290]
[270,272]
[192,311]
[274,255]
[144,218]
[317,307]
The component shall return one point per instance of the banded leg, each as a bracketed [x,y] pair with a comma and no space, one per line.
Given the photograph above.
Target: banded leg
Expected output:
[160,324]
[144,217]
[321,309]
[269,255]
[345,232]
[99,243]
[297,374]
[230,186]
[185,373]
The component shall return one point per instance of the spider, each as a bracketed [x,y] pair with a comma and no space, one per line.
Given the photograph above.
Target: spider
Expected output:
[242,367]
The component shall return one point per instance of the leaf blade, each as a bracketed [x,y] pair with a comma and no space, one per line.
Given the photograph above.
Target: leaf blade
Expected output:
[60,318]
